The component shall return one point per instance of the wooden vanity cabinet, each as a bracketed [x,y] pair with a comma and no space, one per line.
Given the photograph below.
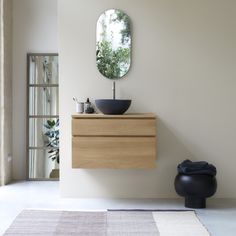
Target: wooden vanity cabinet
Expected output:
[114,141]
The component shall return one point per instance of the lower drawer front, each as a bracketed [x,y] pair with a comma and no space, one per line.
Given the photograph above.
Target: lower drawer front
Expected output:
[114,152]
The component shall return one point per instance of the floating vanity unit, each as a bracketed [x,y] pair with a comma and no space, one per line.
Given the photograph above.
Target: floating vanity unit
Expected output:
[114,141]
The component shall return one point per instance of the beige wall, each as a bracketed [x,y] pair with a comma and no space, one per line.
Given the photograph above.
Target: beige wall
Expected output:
[34,30]
[183,70]
[6,93]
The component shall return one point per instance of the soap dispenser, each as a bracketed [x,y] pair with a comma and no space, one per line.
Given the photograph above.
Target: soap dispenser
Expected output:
[88,107]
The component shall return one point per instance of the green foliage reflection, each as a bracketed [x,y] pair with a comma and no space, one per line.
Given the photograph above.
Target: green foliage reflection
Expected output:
[113,44]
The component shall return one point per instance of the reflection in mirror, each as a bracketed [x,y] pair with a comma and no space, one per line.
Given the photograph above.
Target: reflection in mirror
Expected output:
[43,119]
[40,167]
[43,101]
[113,44]
[43,69]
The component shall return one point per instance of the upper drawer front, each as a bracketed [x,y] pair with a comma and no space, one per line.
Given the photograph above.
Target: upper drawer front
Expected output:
[114,127]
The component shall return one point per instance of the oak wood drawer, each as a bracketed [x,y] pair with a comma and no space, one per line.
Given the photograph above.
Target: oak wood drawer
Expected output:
[114,152]
[114,127]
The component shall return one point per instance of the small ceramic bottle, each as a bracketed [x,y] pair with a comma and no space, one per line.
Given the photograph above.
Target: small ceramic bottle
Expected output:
[88,107]
[87,104]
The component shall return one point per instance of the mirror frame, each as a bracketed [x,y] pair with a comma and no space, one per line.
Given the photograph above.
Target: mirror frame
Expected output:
[28,115]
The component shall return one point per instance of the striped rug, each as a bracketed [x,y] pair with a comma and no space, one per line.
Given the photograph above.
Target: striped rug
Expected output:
[107,223]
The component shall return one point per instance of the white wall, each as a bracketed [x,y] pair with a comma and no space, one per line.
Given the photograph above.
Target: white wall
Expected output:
[183,70]
[34,30]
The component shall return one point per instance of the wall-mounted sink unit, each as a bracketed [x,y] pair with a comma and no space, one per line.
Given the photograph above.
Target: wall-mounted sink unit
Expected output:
[114,141]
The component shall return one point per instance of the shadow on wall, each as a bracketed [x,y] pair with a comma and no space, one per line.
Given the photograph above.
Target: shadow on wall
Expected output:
[124,183]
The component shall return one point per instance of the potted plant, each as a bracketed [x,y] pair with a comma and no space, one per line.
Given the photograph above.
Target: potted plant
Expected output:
[52,134]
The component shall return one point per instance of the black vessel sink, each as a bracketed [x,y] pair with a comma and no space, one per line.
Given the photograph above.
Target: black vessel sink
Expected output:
[113,106]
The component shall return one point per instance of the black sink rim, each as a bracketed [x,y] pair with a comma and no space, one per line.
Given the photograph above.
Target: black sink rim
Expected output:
[110,99]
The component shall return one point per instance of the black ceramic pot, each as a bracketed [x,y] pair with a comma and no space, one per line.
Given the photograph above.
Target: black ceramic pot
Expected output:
[195,188]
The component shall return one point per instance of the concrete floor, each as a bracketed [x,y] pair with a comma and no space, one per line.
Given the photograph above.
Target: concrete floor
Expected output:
[219,217]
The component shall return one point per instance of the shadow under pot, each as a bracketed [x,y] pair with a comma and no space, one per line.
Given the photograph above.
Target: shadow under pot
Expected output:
[195,189]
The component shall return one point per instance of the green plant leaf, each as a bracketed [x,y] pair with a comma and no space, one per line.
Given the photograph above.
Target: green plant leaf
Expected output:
[52,133]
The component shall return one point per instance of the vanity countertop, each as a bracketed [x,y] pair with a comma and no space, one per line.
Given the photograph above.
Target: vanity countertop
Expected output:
[124,116]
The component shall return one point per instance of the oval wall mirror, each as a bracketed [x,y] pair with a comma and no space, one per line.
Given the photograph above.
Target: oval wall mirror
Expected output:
[113,44]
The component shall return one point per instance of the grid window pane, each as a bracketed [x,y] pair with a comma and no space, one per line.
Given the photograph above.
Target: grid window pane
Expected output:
[37,132]
[43,101]
[43,69]
[41,166]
